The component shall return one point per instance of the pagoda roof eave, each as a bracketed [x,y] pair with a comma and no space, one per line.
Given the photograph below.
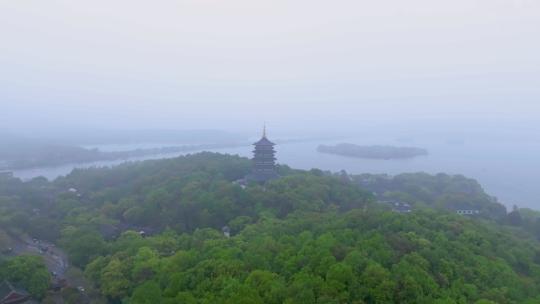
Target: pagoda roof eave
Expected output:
[264,142]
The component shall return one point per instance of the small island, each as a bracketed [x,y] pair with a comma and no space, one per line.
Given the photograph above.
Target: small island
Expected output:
[372,152]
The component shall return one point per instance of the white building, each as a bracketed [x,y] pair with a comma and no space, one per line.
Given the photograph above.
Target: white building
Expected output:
[467,212]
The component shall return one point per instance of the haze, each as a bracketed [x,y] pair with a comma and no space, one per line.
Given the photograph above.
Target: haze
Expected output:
[233,64]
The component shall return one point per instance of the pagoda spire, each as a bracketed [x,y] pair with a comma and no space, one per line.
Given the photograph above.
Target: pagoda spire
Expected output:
[264,130]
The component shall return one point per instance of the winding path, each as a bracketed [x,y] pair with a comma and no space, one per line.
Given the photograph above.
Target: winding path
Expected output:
[55,259]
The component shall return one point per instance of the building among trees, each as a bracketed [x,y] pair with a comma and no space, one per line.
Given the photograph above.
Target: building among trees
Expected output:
[467,212]
[12,295]
[401,207]
[264,161]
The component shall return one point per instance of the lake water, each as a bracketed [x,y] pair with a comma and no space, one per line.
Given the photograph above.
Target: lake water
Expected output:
[507,171]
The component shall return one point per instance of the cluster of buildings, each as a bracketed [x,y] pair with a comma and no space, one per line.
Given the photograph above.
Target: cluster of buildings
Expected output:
[402,207]
[467,212]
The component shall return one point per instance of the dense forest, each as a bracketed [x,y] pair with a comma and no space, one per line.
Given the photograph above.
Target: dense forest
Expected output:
[152,232]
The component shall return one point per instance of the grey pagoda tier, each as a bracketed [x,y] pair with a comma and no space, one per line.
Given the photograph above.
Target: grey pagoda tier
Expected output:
[264,161]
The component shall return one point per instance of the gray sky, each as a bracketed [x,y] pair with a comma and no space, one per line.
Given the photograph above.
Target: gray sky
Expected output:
[219,64]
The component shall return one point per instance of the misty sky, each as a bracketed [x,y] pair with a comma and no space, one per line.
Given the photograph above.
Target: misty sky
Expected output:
[299,64]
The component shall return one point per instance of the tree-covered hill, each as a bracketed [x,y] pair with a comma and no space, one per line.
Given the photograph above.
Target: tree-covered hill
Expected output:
[356,257]
[307,237]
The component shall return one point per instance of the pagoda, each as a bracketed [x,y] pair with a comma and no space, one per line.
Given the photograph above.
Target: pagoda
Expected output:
[264,161]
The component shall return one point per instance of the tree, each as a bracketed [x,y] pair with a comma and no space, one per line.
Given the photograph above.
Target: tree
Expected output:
[269,286]
[377,285]
[114,281]
[82,245]
[30,272]
[147,293]
[514,218]
[304,289]
[145,264]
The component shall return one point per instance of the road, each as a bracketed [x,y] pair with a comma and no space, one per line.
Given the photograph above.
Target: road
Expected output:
[57,263]
[55,259]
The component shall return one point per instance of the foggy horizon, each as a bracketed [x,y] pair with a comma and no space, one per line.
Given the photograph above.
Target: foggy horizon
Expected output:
[298,66]
[462,75]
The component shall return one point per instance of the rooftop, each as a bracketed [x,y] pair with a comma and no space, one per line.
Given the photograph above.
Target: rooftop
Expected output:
[264,142]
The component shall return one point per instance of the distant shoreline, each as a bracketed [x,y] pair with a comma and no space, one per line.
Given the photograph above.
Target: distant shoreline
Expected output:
[372,152]
[55,156]
[83,155]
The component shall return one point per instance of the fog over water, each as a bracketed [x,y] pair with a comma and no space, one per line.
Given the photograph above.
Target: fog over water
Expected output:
[459,78]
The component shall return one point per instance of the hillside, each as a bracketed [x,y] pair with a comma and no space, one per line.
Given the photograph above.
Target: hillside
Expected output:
[356,257]
[308,237]
[441,192]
